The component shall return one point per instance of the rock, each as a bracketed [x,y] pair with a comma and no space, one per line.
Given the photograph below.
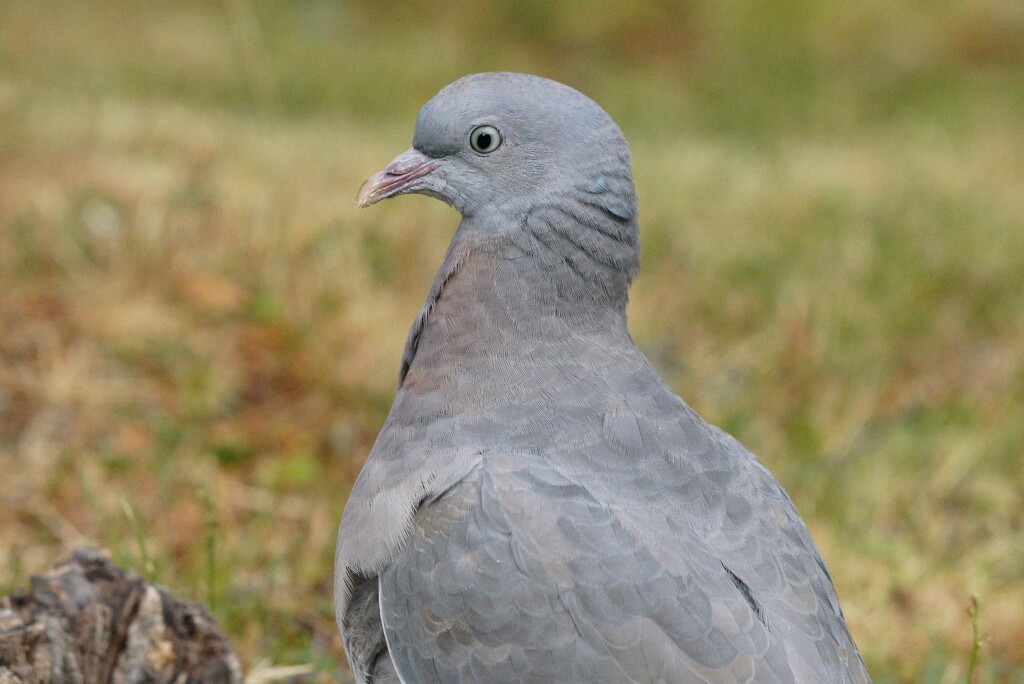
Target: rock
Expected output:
[88,621]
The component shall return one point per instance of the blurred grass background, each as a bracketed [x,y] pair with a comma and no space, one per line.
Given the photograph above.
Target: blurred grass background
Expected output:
[199,335]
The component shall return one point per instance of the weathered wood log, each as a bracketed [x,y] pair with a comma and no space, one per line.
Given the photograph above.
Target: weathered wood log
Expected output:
[88,621]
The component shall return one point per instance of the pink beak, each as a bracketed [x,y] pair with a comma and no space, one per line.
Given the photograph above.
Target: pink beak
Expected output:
[397,178]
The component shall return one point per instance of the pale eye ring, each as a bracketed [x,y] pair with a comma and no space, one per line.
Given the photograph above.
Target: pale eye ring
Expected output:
[485,139]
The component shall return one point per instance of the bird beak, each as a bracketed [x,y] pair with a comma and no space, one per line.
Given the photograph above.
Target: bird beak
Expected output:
[398,178]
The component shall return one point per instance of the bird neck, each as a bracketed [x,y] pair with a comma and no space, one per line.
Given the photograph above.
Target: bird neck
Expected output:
[506,297]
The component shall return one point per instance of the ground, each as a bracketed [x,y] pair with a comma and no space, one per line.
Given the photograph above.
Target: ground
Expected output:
[200,334]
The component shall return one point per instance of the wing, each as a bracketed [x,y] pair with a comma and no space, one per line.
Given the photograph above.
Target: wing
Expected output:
[376,525]
[755,530]
[520,574]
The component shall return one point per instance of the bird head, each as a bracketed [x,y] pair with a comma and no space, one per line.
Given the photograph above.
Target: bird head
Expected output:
[505,143]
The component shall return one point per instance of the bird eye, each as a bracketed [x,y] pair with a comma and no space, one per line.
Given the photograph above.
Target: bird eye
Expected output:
[485,139]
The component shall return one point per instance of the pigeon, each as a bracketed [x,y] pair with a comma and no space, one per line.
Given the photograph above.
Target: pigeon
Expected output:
[540,506]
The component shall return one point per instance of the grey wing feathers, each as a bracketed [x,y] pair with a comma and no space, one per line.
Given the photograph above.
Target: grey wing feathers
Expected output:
[361,627]
[520,575]
[766,544]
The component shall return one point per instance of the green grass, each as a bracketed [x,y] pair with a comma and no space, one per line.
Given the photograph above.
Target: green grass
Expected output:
[832,202]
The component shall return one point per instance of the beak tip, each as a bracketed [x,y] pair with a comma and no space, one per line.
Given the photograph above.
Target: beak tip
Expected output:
[367,194]
[397,178]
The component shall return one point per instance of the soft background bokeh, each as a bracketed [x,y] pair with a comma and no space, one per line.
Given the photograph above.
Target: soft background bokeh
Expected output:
[199,334]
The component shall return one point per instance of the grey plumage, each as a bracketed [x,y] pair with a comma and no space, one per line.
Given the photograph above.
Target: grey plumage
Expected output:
[540,506]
